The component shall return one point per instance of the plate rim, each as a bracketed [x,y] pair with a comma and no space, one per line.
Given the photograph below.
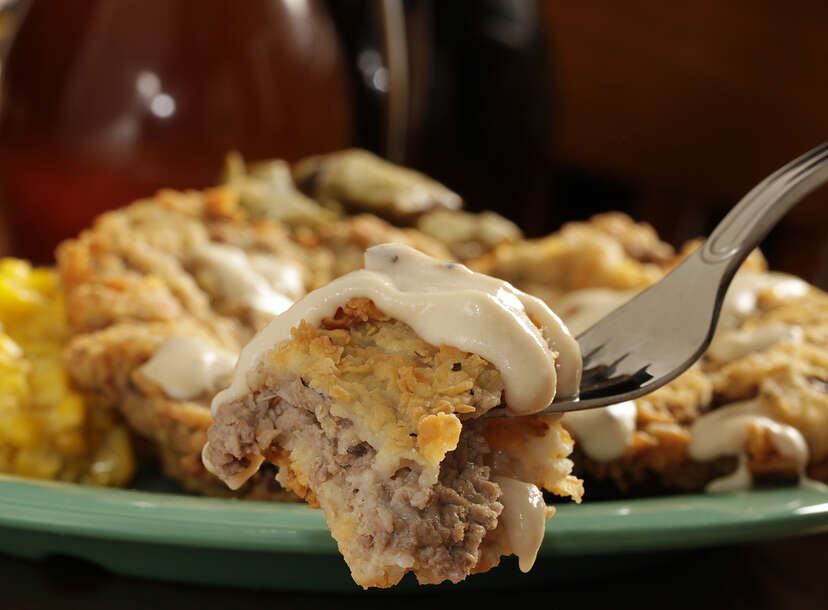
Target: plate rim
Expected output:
[613,526]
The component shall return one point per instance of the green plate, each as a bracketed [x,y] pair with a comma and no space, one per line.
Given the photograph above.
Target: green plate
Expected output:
[230,542]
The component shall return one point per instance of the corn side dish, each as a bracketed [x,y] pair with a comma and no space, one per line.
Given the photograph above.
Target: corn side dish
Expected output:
[47,430]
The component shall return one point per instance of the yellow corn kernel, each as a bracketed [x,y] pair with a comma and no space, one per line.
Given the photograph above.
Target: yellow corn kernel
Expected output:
[70,412]
[35,347]
[9,349]
[37,464]
[21,431]
[114,463]
[44,281]
[70,442]
[16,302]
[13,384]
[46,429]
[15,269]
[49,382]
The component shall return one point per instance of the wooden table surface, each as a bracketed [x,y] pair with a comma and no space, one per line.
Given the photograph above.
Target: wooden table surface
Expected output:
[762,576]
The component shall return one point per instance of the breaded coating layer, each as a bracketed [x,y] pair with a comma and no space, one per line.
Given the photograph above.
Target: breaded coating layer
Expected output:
[402,390]
[774,358]
[379,428]
[609,251]
[207,265]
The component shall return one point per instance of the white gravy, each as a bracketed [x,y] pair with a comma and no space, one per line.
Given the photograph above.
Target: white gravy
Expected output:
[284,276]
[186,368]
[242,277]
[734,344]
[604,434]
[583,308]
[743,293]
[445,303]
[725,432]
[523,517]
[730,343]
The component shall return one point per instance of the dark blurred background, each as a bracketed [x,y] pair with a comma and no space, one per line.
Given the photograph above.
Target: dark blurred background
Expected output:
[545,111]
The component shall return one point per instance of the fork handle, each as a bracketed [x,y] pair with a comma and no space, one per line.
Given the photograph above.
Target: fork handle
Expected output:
[756,214]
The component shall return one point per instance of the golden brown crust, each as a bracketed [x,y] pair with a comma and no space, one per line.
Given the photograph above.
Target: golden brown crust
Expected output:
[129,288]
[786,381]
[407,391]
[380,428]
[657,459]
[789,380]
[106,363]
[130,268]
[679,402]
[639,240]
[469,235]
[360,180]
[135,279]
[336,248]
[534,449]
[600,253]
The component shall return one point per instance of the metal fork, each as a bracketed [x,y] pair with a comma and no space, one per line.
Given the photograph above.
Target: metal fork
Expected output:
[659,334]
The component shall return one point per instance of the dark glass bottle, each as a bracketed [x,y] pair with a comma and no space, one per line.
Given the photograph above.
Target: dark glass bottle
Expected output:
[486,115]
[108,101]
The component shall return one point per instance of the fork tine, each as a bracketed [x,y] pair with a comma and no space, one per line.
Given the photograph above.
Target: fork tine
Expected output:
[614,364]
[617,384]
[596,371]
[588,357]
[603,371]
